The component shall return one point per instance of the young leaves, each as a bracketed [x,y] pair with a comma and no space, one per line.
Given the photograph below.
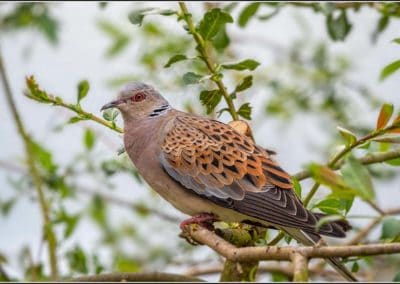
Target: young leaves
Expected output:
[384,115]
[191,78]
[136,17]
[248,64]
[244,84]
[212,22]
[247,13]
[210,99]
[338,27]
[348,136]
[245,111]
[174,59]
[389,70]
[89,139]
[83,89]
[110,114]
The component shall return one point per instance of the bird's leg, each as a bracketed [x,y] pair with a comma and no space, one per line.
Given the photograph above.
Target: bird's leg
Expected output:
[205,220]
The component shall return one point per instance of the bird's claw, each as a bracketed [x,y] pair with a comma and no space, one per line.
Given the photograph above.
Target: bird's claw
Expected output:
[204,220]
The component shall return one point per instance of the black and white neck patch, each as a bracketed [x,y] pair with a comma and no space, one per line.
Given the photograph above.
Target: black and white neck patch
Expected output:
[160,111]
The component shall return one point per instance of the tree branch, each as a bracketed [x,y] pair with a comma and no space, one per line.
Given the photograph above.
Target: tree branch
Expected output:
[137,277]
[300,267]
[369,159]
[33,172]
[233,253]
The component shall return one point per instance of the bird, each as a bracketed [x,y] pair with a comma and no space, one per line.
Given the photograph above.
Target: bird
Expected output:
[209,171]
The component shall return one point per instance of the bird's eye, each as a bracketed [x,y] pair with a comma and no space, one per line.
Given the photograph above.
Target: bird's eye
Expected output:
[138,97]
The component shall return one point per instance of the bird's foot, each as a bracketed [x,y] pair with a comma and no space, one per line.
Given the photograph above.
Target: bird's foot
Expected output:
[204,220]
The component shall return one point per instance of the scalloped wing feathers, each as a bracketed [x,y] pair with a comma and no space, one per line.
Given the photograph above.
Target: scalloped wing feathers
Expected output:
[211,158]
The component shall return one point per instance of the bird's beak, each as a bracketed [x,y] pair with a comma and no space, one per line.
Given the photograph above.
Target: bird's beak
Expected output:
[110,105]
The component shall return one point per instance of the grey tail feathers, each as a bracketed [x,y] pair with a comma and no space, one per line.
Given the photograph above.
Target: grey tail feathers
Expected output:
[311,240]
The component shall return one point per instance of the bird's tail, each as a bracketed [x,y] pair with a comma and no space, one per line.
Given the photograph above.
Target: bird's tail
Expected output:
[311,240]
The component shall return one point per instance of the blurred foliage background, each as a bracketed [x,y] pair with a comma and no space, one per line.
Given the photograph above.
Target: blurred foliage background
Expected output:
[294,70]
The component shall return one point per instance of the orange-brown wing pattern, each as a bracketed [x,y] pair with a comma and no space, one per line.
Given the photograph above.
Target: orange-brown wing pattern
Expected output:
[211,158]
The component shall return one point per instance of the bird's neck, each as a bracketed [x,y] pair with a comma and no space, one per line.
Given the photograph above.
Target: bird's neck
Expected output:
[142,133]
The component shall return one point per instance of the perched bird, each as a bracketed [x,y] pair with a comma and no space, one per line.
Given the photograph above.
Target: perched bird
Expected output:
[208,170]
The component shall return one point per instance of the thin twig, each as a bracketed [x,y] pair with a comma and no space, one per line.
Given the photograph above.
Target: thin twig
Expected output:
[34,173]
[369,159]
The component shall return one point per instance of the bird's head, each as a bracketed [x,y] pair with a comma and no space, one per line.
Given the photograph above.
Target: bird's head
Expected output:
[138,100]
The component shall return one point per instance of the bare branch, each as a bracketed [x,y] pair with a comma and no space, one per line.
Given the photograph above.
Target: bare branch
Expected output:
[300,267]
[233,253]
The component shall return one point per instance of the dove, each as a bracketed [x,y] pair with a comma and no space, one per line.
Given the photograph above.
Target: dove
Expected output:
[208,170]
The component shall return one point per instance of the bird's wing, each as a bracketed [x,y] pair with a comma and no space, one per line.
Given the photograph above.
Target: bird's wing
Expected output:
[211,158]
[218,163]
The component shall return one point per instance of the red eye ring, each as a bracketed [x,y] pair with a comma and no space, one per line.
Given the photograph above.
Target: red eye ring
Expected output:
[138,97]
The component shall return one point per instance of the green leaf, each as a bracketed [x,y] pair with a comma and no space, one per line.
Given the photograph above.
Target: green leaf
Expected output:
[136,17]
[212,22]
[357,177]
[210,99]
[6,206]
[380,27]
[89,139]
[247,13]
[191,78]
[71,224]
[77,260]
[174,59]
[244,84]
[397,277]
[271,14]
[348,136]
[43,157]
[396,40]
[248,64]
[384,115]
[110,114]
[324,175]
[390,228]
[75,119]
[329,206]
[355,267]
[221,39]
[245,111]
[389,69]
[83,89]
[297,186]
[338,27]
